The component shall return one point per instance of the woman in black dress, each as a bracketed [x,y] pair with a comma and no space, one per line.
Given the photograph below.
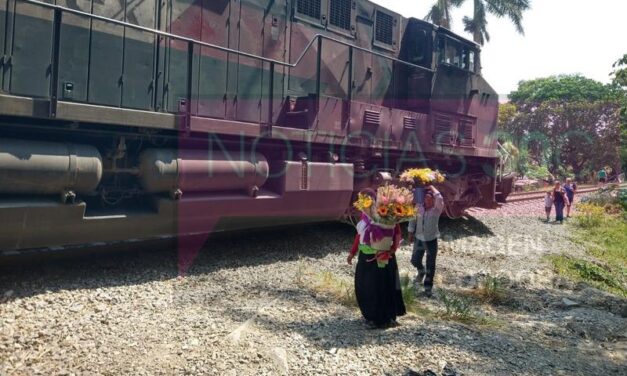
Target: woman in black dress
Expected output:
[377,288]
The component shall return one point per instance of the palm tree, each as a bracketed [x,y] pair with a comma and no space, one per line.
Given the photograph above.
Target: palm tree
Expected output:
[477,25]
[440,13]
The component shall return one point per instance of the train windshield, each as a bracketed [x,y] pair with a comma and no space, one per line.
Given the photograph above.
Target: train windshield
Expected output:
[454,53]
[419,49]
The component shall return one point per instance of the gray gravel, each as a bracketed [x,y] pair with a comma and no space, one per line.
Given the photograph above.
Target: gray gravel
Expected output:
[240,311]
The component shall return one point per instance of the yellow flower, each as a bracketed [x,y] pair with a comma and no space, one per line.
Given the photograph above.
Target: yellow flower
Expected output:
[363,203]
[423,176]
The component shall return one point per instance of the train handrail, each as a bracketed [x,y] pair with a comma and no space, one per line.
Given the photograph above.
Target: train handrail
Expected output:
[221,48]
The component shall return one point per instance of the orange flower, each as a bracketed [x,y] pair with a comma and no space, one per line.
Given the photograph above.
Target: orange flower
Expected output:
[382,210]
[399,211]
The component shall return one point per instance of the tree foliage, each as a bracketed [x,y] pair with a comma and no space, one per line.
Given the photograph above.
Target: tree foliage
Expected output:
[440,12]
[563,88]
[478,24]
[571,124]
[619,75]
[619,79]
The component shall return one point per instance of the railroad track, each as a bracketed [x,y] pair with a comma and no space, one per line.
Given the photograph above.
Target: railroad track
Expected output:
[540,194]
[579,187]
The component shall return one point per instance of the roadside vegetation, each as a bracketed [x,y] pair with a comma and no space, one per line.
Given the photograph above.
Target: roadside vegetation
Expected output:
[601,227]
[459,306]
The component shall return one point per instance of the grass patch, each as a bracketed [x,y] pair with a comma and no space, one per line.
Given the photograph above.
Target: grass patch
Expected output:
[601,228]
[409,292]
[603,233]
[607,242]
[491,290]
[340,289]
[599,276]
[457,308]
[590,215]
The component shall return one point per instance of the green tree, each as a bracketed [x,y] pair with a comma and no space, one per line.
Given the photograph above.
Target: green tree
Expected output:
[568,123]
[440,13]
[619,79]
[563,88]
[478,24]
[619,75]
[507,114]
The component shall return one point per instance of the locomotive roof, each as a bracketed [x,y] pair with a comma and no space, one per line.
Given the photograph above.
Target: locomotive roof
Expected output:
[435,27]
[448,32]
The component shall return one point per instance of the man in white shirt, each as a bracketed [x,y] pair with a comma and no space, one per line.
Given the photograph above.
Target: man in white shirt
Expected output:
[424,229]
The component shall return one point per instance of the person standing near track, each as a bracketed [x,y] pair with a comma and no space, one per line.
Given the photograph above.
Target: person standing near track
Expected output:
[548,205]
[424,230]
[559,200]
[570,188]
[602,175]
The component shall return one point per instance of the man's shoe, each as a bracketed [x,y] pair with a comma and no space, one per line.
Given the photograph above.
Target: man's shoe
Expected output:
[428,292]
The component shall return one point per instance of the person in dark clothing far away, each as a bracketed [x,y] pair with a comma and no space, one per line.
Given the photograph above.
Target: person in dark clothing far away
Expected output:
[570,188]
[424,230]
[559,200]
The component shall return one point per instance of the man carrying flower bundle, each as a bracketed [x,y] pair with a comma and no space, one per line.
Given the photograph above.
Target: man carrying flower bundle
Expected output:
[424,229]
[377,282]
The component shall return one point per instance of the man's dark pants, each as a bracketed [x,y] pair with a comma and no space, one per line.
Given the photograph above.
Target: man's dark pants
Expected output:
[431,248]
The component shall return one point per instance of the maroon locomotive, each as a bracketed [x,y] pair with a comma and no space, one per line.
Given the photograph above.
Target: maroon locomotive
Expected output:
[133,120]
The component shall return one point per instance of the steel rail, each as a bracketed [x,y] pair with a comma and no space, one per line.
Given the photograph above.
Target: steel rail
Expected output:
[536,196]
[220,48]
[549,187]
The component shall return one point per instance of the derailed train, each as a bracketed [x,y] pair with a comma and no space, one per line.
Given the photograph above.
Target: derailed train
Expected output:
[141,119]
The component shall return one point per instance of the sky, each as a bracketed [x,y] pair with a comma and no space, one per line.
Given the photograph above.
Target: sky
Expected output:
[561,37]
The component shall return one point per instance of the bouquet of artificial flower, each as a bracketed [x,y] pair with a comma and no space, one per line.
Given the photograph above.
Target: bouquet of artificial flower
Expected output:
[381,214]
[422,176]
[394,205]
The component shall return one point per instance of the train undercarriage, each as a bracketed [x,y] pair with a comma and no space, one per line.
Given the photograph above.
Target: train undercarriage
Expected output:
[75,183]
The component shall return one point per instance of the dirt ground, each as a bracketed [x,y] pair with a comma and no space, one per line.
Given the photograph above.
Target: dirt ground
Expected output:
[249,306]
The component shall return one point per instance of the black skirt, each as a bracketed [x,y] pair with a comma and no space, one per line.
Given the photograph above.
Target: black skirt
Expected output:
[378,290]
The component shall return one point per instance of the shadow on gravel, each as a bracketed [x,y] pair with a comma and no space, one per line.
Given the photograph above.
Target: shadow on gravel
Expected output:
[567,347]
[464,227]
[156,261]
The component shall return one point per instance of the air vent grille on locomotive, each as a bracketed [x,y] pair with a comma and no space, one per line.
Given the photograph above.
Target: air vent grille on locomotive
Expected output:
[310,8]
[372,118]
[341,13]
[384,28]
[442,129]
[466,133]
[410,123]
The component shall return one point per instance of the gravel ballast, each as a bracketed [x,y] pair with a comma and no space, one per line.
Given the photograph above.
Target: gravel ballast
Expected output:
[245,308]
